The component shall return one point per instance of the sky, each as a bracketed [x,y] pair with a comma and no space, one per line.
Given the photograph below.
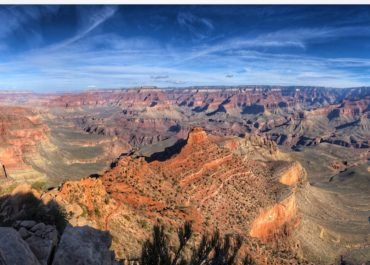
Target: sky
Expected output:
[67,48]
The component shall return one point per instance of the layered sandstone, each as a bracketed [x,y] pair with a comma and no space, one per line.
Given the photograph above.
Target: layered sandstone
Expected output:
[204,182]
[21,132]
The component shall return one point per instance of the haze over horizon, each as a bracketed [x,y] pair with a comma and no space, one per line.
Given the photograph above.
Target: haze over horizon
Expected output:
[64,48]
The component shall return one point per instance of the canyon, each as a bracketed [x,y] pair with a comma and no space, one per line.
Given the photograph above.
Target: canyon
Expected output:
[286,167]
[83,132]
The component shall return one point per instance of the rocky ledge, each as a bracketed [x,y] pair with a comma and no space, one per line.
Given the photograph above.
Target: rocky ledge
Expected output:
[31,243]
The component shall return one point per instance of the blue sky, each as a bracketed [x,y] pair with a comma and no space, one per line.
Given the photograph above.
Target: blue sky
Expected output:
[64,48]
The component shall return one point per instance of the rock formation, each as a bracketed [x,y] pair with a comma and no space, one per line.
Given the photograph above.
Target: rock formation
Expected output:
[83,245]
[14,250]
[42,239]
[38,244]
[21,131]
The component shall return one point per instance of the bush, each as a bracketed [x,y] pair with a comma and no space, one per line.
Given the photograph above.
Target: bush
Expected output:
[212,250]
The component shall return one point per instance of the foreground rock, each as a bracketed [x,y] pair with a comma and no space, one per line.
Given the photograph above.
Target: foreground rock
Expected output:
[14,250]
[84,246]
[41,238]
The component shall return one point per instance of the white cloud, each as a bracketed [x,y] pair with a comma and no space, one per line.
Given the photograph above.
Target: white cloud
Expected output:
[17,17]
[139,61]
[95,19]
[198,26]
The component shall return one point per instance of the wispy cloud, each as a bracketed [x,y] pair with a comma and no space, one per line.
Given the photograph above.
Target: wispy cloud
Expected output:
[297,38]
[198,26]
[113,58]
[17,17]
[92,20]
[60,69]
[158,77]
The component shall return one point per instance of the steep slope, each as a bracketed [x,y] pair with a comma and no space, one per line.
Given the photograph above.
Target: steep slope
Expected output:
[21,130]
[46,146]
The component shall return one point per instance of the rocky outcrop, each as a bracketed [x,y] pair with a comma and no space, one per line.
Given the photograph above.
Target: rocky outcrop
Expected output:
[256,147]
[276,222]
[88,203]
[238,185]
[84,246]
[36,224]
[14,250]
[42,239]
[38,244]
[293,174]
[197,136]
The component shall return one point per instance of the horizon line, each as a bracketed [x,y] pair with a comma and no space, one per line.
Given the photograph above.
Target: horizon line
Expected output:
[107,89]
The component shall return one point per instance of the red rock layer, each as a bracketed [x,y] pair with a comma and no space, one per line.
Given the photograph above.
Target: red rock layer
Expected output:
[20,132]
[204,182]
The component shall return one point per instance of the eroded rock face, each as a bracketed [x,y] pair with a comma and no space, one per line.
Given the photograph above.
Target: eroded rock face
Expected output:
[256,147]
[14,250]
[88,203]
[197,136]
[288,115]
[82,199]
[294,174]
[276,222]
[84,246]
[21,129]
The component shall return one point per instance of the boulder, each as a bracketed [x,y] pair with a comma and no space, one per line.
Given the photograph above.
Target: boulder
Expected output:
[24,233]
[27,224]
[42,248]
[41,239]
[14,250]
[84,246]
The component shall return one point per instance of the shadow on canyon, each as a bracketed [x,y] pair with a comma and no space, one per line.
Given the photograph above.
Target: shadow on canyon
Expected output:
[168,152]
